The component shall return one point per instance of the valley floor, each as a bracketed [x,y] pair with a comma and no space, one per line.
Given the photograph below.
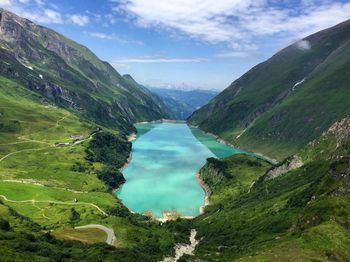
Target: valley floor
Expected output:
[54,188]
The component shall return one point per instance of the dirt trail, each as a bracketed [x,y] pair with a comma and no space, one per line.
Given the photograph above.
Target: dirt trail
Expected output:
[37,183]
[27,140]
[19,151]
[55,202]
[110,232]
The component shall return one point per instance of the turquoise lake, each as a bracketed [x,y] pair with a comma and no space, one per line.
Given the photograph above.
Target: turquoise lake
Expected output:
[161,174]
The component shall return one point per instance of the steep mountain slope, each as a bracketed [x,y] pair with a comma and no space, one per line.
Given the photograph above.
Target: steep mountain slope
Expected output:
[54,175]
[302,214]
[182,103]
[282,104]
[64,115]
[167,112]
[70,75]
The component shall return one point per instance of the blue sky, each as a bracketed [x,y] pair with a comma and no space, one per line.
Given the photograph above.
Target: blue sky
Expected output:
[189,43]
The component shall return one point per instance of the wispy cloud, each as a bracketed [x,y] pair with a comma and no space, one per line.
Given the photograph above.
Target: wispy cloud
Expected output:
[5,3]
[235,22]
[102,36]
[240,54]
[158,60]
[80,20]
[303,45]
[115,38]
[39,12]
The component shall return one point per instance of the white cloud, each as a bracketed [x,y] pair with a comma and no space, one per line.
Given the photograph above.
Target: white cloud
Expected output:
[240,54]
[120,66]
[43,16]
[238,23]
[303,45]
[39,2]
[147,60]
[80,20]
[115,38]
[40,12]
[51,16]
[5,3]
[102,36]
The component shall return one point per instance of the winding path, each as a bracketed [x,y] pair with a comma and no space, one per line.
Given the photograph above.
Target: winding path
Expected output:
[20,151]
[55,202]
[110,232]
[27,140]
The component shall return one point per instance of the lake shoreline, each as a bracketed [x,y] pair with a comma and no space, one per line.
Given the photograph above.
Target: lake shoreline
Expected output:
[207,192]
[163,120]
[128,160]
[224,142]
[218,138]
[167,215]
[173,214]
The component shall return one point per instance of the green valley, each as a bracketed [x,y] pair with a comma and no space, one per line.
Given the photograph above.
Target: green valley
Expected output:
[94,166]
[41,189]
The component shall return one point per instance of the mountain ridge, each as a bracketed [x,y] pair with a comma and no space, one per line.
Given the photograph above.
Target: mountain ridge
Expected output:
[182,103]
[252,112]
[70,75]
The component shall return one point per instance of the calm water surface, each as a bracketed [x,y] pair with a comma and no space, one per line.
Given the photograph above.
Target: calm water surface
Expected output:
[161,174]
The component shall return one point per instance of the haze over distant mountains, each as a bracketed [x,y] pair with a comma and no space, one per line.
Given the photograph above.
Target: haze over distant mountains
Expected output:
[183,102]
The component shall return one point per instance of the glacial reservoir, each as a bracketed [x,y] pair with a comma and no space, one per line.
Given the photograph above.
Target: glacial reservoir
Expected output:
[161,175]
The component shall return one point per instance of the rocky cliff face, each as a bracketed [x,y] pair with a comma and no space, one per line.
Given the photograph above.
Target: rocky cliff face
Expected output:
[70,75]
[334,144]
[341,130]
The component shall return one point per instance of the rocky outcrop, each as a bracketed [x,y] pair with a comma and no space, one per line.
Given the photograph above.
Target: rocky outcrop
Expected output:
[184,249]
[288,165]
[341,130]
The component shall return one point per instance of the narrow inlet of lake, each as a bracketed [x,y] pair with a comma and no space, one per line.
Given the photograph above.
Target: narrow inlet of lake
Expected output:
[161,175]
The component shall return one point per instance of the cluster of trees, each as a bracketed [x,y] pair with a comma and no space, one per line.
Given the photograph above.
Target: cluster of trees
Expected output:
[111,176]
[112,151]
[108,149]
[26,246]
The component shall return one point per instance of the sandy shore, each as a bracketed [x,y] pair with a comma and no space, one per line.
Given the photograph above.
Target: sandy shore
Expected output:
[172,215]
[207,193]
[132,137]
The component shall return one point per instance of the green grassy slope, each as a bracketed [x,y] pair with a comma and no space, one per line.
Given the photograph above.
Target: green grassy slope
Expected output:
[46,185]
[301,215]
[71,76]
[265,111]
